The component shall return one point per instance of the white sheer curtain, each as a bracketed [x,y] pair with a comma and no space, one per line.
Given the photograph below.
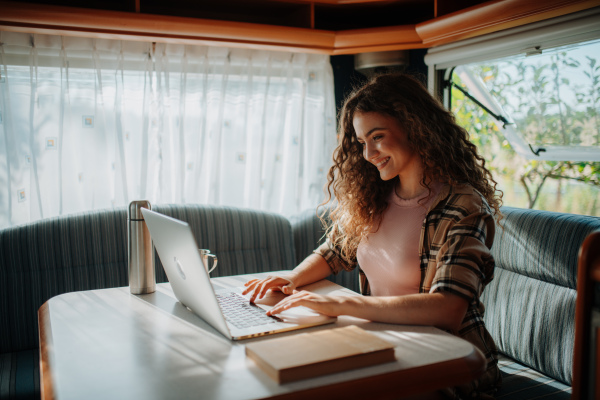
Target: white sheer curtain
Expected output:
[90,123]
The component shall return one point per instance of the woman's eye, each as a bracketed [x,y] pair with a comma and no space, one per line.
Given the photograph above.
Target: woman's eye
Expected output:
[377,138]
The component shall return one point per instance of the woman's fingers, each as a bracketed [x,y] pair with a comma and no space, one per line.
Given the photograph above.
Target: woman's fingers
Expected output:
[261,290]
[287,303]
[259,287]
[321,304]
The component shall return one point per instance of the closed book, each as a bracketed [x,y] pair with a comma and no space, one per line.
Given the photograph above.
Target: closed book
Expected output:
[311,354]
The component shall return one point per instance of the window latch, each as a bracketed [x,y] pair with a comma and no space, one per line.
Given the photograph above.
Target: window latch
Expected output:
[538,151]
[497,117]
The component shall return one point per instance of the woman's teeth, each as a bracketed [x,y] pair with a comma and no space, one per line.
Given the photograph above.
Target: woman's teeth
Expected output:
[382,163]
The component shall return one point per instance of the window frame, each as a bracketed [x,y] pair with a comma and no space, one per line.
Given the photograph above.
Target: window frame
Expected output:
[570,29]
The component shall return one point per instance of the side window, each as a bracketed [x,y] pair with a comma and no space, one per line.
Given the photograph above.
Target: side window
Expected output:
[535,119]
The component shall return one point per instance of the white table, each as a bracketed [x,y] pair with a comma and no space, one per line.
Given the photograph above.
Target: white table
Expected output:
[110,344]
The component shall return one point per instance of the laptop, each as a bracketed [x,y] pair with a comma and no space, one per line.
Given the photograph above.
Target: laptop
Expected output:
[178,252]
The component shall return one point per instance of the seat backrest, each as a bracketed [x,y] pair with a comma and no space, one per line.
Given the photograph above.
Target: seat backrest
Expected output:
[308,235]
[530,304]
[89,251]
[245,241]
[53,256]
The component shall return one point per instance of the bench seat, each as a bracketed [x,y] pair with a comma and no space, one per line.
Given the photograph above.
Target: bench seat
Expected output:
[20,375]
[523,383]
[530,304]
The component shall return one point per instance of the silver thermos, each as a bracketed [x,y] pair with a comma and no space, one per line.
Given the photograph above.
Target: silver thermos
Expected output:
[140,250]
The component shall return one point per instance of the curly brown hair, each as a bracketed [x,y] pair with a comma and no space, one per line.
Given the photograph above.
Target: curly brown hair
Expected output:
[359,194]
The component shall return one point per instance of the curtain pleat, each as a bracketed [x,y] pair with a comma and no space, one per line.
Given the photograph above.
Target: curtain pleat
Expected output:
[215,172]
[143,179]
[64,90]
[96,123]
[244,156]
[38,211]
[182,102]
[5,117]
[120,162]
[302,144]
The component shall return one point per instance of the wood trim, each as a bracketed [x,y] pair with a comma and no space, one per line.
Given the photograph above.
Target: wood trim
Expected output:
[474,21]
[595,273]
[597,380]
[368,49]
[240,43]
[426,379]
[45,336]
[363,40]
[72,21]
[338,2]
[494,16]
[588,262]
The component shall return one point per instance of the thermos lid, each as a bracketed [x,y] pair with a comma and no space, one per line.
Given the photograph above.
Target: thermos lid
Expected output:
[135,209]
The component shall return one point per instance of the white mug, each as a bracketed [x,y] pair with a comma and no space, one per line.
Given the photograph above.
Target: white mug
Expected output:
[205,255]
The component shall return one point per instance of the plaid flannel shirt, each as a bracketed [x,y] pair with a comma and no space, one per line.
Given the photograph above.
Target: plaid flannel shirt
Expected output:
[456,238]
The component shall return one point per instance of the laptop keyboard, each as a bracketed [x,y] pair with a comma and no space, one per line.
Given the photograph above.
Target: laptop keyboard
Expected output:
[240,313]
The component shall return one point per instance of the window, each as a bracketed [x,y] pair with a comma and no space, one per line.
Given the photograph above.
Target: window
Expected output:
[89,124]
[530,99]
[540,133]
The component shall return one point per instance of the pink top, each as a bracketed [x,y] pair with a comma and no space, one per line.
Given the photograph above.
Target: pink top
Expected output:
[390,256]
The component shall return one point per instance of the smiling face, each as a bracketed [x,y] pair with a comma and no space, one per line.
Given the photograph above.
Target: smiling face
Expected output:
[385,145]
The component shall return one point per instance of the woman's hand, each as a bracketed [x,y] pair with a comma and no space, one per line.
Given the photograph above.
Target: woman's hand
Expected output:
[326,305]
[312,269]
[259,287]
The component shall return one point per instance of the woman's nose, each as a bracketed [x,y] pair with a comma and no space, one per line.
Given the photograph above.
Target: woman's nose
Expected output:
[369,152]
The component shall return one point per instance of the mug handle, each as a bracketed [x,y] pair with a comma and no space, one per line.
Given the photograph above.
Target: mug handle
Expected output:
[215,260]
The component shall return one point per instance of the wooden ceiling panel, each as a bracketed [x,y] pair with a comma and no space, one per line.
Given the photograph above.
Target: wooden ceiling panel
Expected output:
[372,15]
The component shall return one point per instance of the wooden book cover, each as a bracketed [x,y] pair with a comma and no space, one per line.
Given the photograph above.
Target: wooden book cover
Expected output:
[312,354]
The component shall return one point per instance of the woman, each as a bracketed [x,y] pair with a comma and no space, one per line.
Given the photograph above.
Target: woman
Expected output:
[414,206]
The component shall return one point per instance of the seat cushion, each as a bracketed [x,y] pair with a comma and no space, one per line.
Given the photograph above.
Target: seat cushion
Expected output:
[532,321]
[530,303]
[20,375]
[522,383]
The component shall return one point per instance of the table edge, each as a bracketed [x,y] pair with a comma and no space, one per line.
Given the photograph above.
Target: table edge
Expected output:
[409,382]
[45,338]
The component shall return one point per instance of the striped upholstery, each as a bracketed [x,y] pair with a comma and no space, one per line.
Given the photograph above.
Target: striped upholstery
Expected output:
[308,235]
[245,241]
[20,375]
[89,251]
[530,304]
[49,257]
[523,383]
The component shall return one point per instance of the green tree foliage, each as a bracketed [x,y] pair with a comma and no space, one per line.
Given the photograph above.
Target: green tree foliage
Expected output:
[548,109]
